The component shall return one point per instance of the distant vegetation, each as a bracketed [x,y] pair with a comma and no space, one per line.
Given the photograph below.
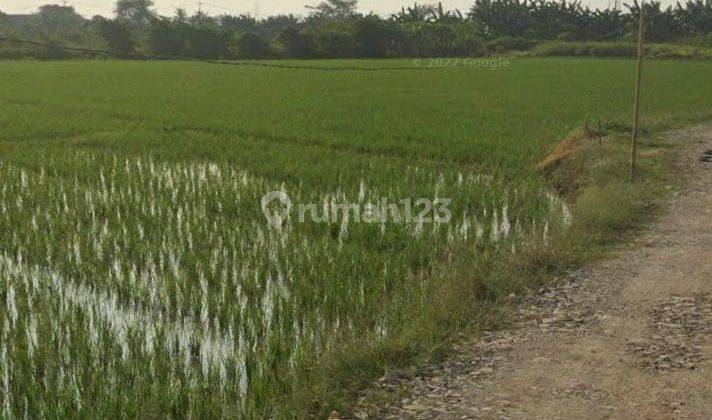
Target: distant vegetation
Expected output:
[334,29]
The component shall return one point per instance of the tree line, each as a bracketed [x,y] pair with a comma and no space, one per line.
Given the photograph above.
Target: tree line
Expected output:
[335,29]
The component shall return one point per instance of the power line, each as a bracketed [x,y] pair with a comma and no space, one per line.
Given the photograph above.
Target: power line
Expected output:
[208,61]
[26,8]
[220,7]
[64,3]
[94,6]
[175,6]
[200,6]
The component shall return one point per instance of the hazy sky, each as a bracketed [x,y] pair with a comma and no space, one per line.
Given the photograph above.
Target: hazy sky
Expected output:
[262,7]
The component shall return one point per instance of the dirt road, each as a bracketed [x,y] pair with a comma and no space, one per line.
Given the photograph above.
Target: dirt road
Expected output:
[630,337]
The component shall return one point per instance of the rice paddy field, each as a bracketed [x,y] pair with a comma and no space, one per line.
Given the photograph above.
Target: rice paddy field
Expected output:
[139,276]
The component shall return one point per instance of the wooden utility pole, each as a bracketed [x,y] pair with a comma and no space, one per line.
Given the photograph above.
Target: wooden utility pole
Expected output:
[636,107]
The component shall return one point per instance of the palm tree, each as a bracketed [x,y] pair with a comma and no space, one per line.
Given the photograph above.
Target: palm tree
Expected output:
[439,15]
[416,14]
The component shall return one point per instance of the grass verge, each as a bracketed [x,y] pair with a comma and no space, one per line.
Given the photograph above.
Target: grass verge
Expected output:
[470,288]
[619,49]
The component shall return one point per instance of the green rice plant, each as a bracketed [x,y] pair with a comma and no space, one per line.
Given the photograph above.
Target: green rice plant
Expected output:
[139,275]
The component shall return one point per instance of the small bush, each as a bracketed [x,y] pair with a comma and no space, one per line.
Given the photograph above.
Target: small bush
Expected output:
[36,53]
[619,49]
[578,49]
[251,45]
[605,211]
[509,43]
